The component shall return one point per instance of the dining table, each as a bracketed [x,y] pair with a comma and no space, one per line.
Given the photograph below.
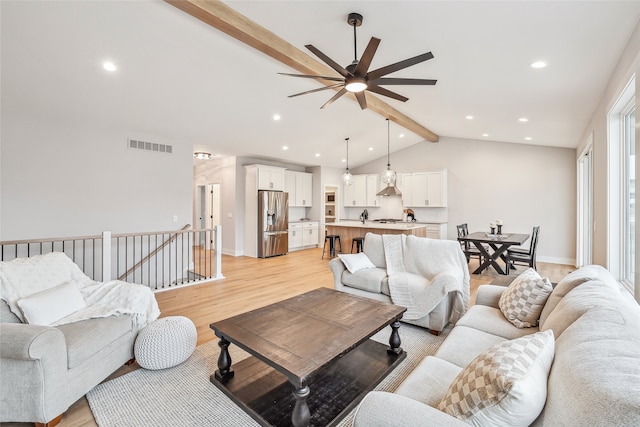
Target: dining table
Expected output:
[499,243]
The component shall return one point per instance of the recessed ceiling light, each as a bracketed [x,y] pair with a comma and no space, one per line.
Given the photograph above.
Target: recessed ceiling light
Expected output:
[276,117]
[485,134]
[109,66]
[528,138]
[469,117]
[401,135]
[344,160]
[370,148]
[523,119]
[538,64]
[317,154]
[284,147]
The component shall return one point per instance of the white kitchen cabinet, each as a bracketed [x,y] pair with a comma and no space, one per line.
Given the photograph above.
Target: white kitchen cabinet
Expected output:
[303,235]
[310,233]
[295,236]
[304,189]
[362,193]
[373,186]
[299,185]
[437,231]
[270,178]
[424,189]
[405,183]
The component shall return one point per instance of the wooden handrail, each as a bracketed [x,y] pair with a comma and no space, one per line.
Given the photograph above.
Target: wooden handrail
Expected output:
[151,254]
[47,240]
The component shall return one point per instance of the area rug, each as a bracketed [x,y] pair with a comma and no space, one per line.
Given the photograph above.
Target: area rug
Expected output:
[184,396]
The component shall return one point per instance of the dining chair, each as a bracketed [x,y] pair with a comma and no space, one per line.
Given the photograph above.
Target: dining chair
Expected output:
[468,249]
[525,256]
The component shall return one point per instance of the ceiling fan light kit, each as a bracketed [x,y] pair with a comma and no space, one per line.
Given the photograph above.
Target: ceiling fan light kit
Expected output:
[356,77]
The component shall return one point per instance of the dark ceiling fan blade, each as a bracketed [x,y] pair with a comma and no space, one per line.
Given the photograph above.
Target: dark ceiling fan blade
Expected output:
[362,99]
[332,79]
[316,90]
[336,96]
[401,81]
[382,91]
[399,66]
[367,56]
[330,62]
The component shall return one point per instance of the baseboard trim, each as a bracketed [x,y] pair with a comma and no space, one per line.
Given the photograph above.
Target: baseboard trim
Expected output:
[555,260]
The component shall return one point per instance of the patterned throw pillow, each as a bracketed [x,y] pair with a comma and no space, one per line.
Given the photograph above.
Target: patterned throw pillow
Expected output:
[504,386]
[524,299]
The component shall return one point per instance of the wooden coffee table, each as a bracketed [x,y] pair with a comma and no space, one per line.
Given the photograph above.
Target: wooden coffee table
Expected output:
[312,361]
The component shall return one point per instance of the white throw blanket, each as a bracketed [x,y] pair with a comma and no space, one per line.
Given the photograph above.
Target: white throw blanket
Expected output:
[22,277]
[422,272]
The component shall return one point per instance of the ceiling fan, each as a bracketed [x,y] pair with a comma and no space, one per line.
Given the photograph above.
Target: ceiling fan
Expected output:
[357,78]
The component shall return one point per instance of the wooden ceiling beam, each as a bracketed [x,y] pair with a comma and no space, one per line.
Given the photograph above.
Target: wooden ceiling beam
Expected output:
[222,17]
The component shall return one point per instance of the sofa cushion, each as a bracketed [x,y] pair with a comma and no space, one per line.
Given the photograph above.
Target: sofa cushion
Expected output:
[463,344]
[429,381]
[504,386]
[524,299]
[49,306]
[89,337]
[356,262]
[573,280]
[578,301]
[595,377]
[374,248]
[491,320]
[369,279]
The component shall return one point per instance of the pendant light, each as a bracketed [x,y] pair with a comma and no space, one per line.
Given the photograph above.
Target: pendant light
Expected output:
[347,178]
[389,175]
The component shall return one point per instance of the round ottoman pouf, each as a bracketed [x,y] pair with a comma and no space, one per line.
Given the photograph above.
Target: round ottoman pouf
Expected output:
[166,342]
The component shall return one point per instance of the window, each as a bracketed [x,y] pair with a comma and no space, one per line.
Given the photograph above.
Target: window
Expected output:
[629,193]
[621,231]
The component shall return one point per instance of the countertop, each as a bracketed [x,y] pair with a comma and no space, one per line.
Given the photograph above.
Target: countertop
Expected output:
[381,226]
[297,221]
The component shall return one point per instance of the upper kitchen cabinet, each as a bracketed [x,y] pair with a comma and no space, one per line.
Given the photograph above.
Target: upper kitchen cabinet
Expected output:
[269,177]
[362,193]
[424,189]
[299,185]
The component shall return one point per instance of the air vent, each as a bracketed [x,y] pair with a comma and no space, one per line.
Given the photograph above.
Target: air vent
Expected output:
[134,144]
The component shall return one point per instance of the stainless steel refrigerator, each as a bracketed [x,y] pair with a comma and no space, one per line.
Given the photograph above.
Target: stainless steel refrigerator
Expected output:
[273,222]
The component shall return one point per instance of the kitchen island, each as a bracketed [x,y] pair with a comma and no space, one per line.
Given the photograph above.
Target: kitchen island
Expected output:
[347,230]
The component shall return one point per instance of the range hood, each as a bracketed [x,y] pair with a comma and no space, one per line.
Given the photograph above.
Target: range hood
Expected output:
[389,190]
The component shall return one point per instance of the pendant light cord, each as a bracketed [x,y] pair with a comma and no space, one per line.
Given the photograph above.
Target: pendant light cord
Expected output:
[388,145]
[347,139]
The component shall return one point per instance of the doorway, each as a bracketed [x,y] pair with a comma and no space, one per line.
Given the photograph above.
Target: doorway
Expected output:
[208,208]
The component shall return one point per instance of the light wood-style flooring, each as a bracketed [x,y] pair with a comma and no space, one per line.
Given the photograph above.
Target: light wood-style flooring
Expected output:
[252,283]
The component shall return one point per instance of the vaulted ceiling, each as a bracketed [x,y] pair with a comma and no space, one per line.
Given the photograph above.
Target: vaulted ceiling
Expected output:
[179,80]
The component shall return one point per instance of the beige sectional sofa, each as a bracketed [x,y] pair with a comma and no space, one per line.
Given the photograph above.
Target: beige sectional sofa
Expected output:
[594,378]
[374,282]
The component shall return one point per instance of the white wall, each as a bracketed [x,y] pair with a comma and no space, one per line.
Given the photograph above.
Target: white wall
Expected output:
[524,185]
[69,179]
[628,65]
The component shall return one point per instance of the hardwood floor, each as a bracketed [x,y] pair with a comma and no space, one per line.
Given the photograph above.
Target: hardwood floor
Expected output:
[252,283]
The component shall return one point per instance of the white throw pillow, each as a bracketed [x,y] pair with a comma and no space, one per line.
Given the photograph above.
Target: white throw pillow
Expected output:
[525,298]
[47,307]
[504,386]
[355,262]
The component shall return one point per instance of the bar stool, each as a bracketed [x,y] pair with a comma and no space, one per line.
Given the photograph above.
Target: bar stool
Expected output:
[359,242]
[333,240]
